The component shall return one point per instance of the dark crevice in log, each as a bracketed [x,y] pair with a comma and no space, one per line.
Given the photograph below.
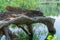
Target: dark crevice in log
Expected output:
[10,34]
[51,29]
[27,32]
[7,33]
[30,29]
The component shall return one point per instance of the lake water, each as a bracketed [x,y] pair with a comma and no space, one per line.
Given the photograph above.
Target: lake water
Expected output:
[40,29]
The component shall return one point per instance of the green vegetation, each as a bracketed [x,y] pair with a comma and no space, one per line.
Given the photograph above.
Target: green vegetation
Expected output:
[48,7]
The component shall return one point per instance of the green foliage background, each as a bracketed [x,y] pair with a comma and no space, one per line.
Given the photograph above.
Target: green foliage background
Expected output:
[48,7]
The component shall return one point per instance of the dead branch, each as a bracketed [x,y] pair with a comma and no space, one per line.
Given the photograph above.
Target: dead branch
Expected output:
[27,32]
[27,20]
[7,33]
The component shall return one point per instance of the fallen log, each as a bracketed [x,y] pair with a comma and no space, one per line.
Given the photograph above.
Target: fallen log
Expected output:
[27,20]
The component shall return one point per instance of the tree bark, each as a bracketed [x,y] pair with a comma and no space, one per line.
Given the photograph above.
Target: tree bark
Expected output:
[30,29]
[24,19]
[7,33]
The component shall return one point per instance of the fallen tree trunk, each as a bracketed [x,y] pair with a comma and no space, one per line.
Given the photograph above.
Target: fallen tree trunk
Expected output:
[27,20]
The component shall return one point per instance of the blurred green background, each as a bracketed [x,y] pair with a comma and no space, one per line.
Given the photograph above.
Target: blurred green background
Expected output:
[48,7]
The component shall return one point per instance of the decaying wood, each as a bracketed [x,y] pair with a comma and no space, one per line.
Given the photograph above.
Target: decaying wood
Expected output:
[24,19]
[30,29]
[23,16]
[27,12]
[7,33]
[27,32]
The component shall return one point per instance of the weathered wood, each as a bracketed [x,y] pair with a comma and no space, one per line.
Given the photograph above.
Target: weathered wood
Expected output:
[30,29]
[7,33]
[27,12]
[24,16]
[27,32]
[24,19]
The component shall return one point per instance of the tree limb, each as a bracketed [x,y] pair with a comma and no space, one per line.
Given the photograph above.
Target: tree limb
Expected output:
[25,19]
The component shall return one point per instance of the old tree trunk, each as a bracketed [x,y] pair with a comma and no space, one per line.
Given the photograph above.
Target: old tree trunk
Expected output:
[25,20]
